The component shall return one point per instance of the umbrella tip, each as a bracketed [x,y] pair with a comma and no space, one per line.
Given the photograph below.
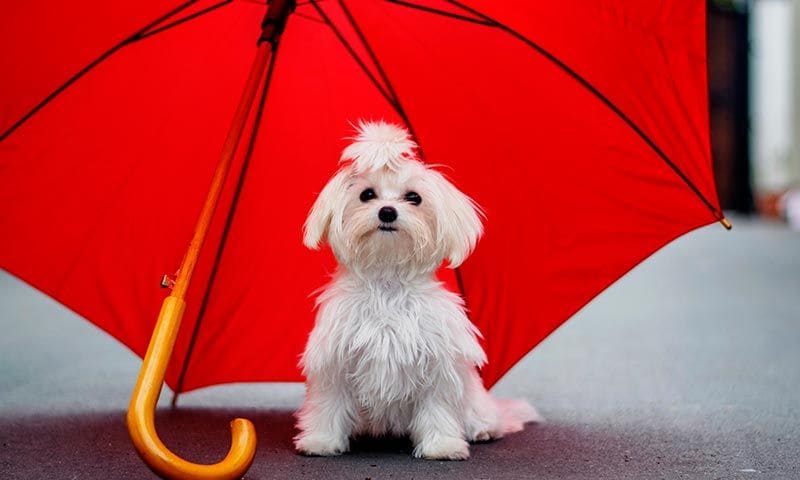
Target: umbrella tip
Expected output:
[725,223]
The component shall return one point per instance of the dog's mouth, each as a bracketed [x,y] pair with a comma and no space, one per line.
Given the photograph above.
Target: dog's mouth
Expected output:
[387,228]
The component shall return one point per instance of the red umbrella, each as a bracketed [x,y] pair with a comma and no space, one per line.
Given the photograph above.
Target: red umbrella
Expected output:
[581,128]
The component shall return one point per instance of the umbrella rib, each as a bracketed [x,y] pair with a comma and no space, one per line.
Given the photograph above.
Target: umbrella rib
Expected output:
[353,54]
[585,83]
[91,66]
[196,14]
[228,223]
[396,104]
[307,17]
[400,111]
[443,13]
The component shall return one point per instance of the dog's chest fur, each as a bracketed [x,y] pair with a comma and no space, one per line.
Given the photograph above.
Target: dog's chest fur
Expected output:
[393,341]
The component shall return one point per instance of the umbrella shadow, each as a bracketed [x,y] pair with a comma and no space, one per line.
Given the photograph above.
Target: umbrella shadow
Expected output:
[96,445]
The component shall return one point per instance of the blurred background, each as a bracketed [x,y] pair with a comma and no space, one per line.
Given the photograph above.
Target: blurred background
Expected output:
[754,92]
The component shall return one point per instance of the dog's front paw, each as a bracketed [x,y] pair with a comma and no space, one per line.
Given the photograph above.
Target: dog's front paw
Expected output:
[443,448]
[320,445]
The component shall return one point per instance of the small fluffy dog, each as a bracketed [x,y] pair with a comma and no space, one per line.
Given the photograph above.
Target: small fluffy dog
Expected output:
[392,351]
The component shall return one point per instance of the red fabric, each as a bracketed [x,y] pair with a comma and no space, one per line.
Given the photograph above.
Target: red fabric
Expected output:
[100,190]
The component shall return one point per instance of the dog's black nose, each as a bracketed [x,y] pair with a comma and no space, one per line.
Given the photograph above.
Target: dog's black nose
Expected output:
[387,214]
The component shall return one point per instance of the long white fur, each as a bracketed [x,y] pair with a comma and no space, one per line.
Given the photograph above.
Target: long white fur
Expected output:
[392,351]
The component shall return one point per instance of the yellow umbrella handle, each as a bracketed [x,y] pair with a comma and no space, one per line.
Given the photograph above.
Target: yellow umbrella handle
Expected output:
[143,402]
[151,376]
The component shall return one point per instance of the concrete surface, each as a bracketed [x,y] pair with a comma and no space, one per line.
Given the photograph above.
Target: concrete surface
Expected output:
[689,367]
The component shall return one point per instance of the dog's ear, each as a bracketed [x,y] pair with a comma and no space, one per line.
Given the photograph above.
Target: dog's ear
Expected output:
[458,221]
[318,223]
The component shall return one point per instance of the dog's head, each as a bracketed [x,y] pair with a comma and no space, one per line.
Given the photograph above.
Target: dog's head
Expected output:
[386,210]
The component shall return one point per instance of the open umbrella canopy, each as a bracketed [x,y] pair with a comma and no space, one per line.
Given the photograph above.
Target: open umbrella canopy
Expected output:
[581,128]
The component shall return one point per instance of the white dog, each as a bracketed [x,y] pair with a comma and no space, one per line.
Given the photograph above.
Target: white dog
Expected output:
[392,351]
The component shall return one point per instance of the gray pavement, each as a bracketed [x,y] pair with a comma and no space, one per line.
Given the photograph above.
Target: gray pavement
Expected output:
[689,367]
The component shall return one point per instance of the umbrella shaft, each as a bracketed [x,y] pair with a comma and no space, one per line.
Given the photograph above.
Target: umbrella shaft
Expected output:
[232,140]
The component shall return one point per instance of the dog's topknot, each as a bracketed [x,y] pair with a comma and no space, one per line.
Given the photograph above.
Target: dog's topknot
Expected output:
[379,145]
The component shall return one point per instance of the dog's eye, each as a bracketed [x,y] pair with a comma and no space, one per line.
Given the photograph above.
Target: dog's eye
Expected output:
[367,195]
[413,197]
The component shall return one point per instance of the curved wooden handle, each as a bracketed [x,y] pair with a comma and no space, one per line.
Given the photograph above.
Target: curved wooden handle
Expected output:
[142,410]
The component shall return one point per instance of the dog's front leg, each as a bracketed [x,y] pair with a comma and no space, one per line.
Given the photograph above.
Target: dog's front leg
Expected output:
[326,419]
[436,430]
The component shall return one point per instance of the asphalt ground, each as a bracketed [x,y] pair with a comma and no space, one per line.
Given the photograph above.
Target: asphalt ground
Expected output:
[689,367]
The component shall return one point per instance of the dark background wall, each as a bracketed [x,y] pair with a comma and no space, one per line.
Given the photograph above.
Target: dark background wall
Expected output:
[729,105]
